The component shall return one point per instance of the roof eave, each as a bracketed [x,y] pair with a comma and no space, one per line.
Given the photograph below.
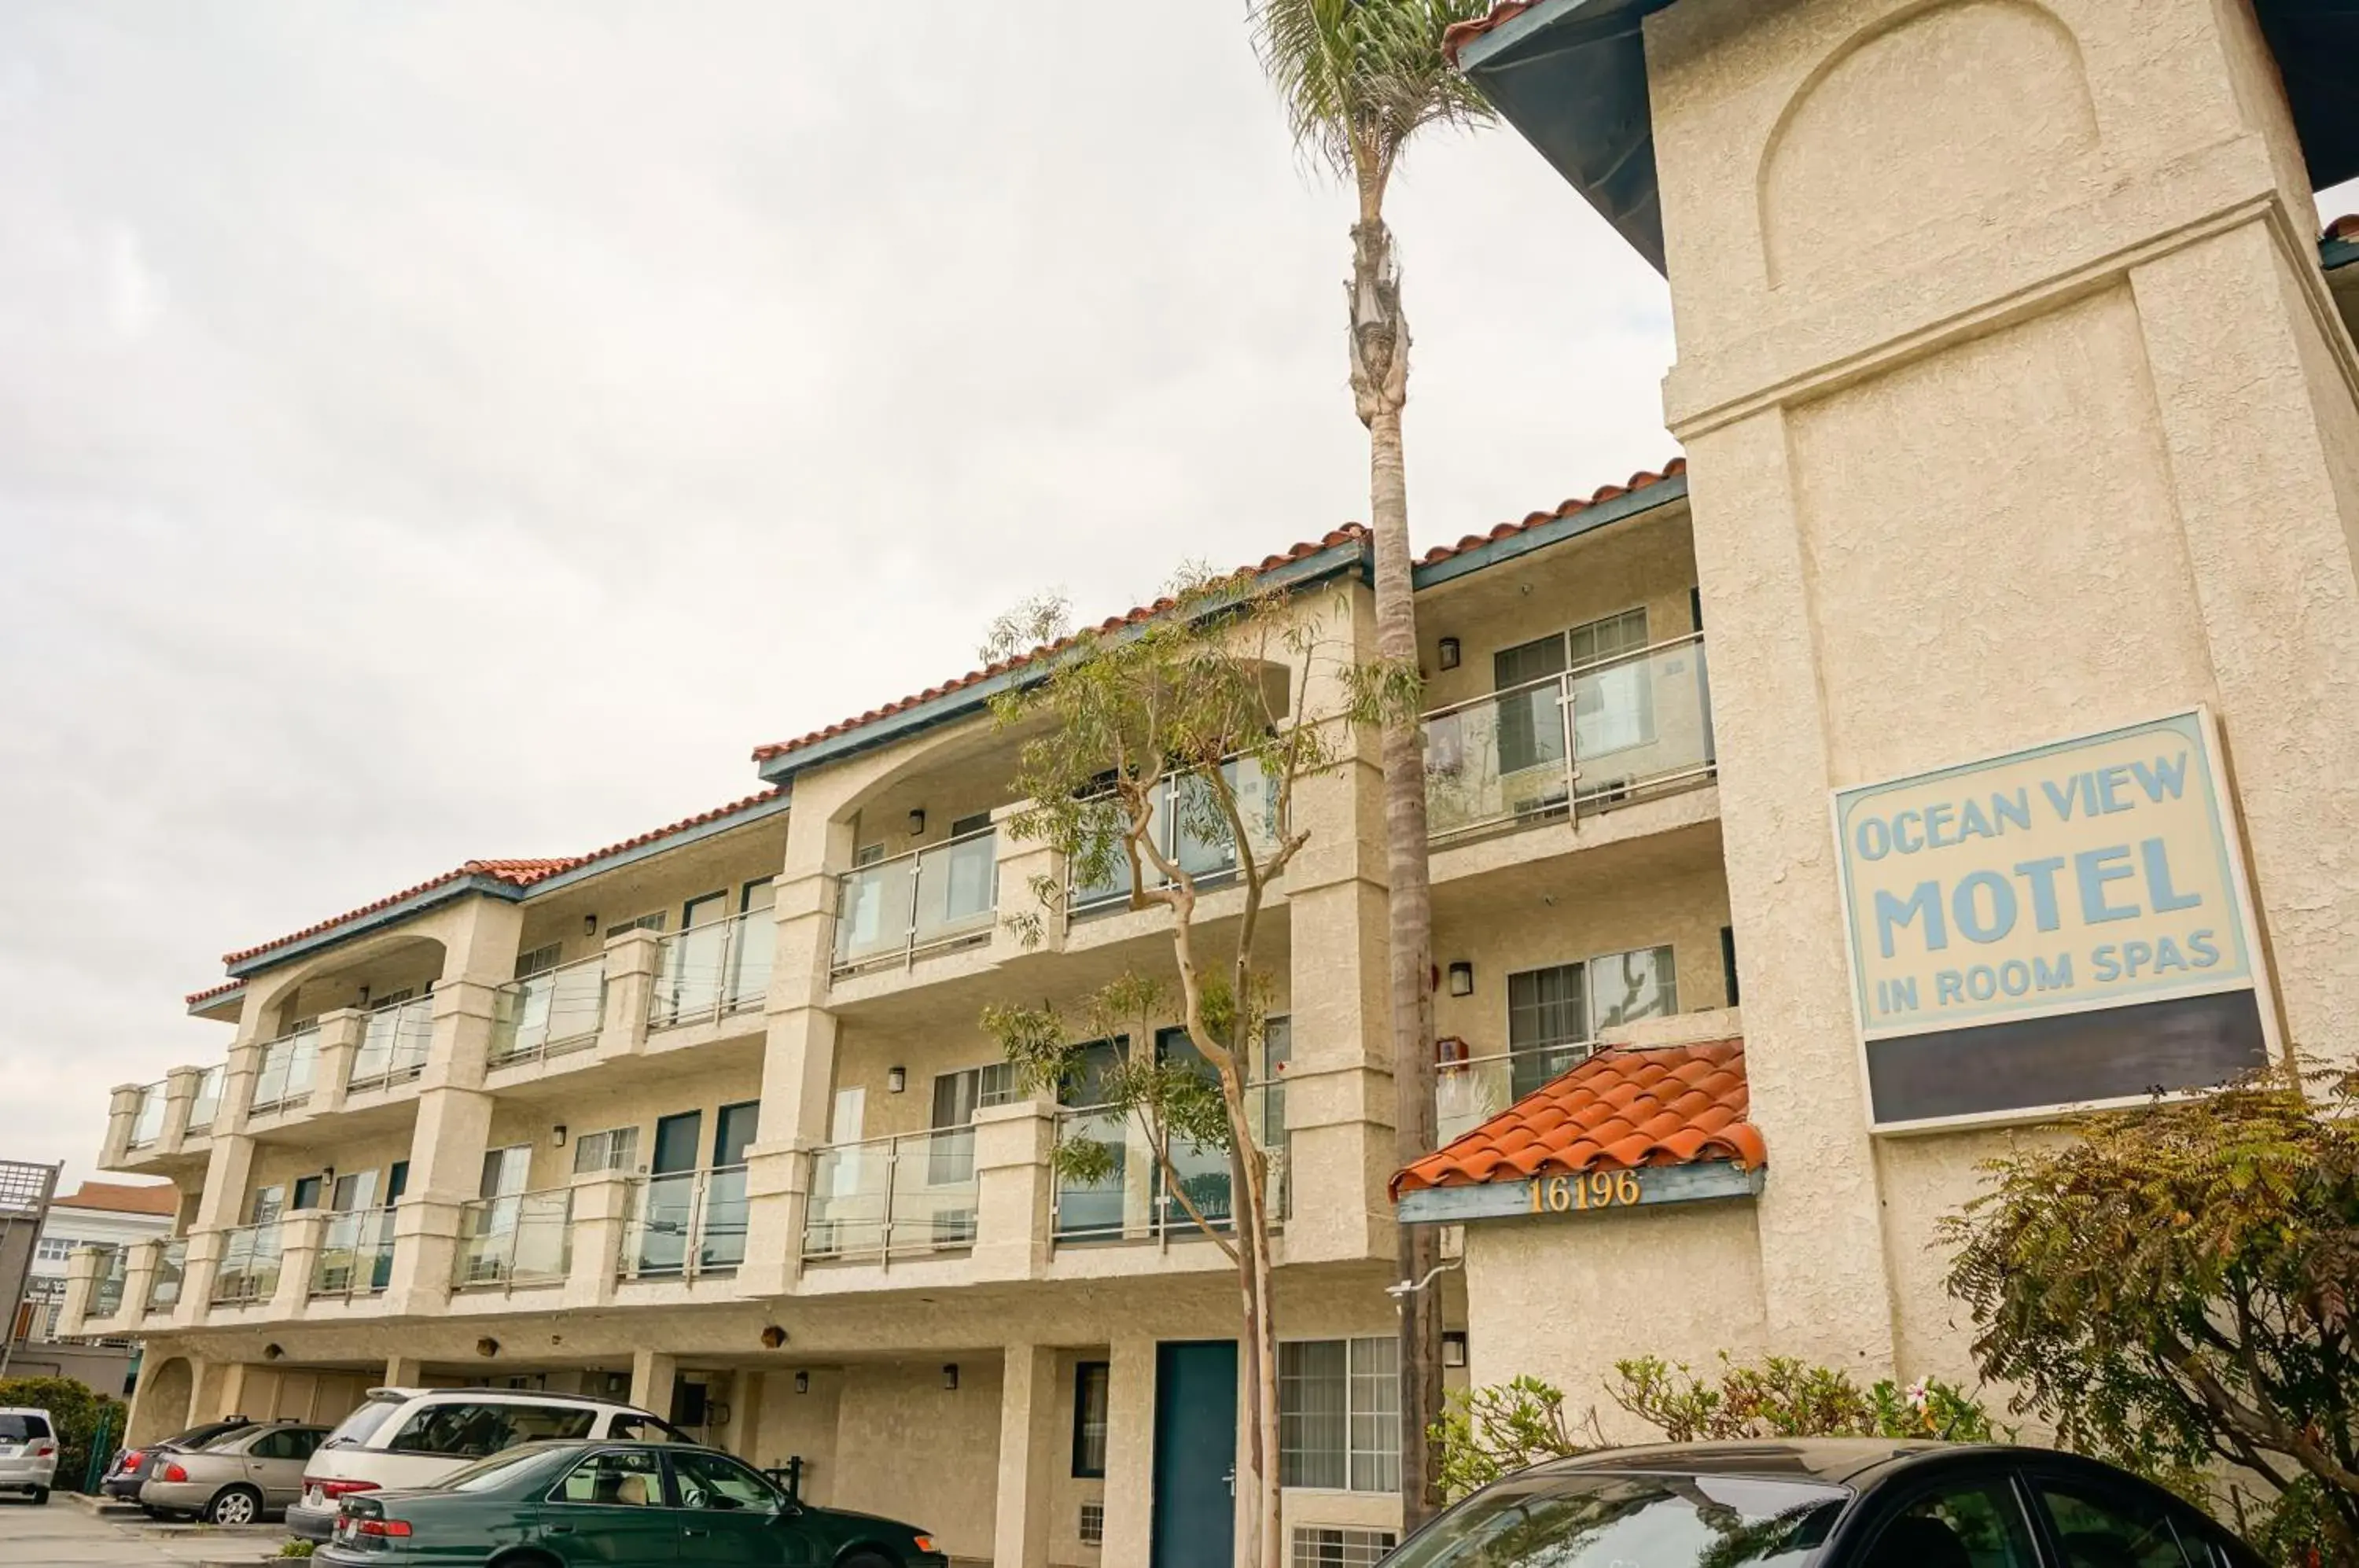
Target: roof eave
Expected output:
[1664,492]
[401,910]
[758,812]
[219,1006]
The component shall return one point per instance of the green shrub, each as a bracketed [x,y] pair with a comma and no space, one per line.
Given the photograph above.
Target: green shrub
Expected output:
[296,1548]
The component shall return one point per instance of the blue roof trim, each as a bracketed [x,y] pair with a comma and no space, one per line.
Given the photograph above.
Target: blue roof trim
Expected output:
[664,845]
[1556,530]
[1330,561]
[2333,253]
[211,1004]
[377,919]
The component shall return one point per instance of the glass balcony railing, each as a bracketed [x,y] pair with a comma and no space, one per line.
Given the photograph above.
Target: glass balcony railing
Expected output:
[684,1223]
[106,1300]
[148,1122]
[1588,740]
[1137,1199]
[522,1239]
[710,971]
[249,1264]
[356,1254]
[171,1267]
[1466,1094]
[945,895]
[549,1013]
[289,1065]
[394,1042]
[892,1197]
[207,1104]
[1190,830]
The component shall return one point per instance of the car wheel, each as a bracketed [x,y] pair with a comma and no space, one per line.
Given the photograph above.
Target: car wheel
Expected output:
[525,1560]
[40,1496]
[238,1504]
[865,1560]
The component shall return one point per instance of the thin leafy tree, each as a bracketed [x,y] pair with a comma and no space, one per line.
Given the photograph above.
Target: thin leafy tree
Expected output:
[1359,79]
[1161,762]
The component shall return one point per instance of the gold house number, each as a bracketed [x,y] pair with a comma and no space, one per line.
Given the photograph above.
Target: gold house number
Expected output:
[1577,1194]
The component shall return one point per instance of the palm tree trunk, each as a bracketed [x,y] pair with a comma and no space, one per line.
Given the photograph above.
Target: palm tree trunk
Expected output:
[1380,388]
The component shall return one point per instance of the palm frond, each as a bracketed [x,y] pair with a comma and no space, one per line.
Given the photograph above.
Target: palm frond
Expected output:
[1359,78]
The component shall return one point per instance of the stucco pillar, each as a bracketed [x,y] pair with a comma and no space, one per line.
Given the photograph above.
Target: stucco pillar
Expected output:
[631,959]
[1028,923]
[83,1267]
[122,1111]
[139,1277]
[231,1400]
[1130,1451]
[299,1250]
[454,1112]
[339,1042]
[749,1387]
[1012,1147]
[600,1213]
[1027,1449]
[652,1372]
[402,1372]
[179,1100]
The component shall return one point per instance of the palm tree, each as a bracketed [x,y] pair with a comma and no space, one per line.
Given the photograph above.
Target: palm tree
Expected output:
[1359,79]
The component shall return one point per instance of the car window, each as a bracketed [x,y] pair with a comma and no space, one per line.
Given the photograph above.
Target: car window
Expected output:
[464,1429]
[1974,1523]
[16,1428]
[276,1445]
[622,1478]
[709,1480]
[222,1441]
[485,1475]
[364,1422]
[1605,1521]
[633,1427]
[2109,1530]
[205,1436]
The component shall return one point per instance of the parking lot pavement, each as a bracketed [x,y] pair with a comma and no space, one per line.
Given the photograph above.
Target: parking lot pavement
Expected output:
[66,1534]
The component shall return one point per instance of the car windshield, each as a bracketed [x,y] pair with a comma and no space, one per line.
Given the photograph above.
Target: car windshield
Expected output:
[358,1427]
[16,1428]
[220,1439]
[487,1475]
[1605,1521]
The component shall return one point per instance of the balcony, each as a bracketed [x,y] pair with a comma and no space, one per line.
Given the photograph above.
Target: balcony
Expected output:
[684,1223]
[709,972]
[107,1296]
[893,1197]
[356,1255]
[931,901]
[1134,1199]
[249,1265]
[1191,836]
[206,1105]
[172,1268]
[1469,1092]
[549,1014]
[394,1043]
[1586,741]
[289,1065]
[148,1122]
[523,1239]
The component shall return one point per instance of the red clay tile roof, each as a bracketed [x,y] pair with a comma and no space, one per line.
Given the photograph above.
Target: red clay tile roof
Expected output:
[517,873]
[1458,34]
[1620,1109]
[1638,481]
[123,1198]
[223,989]
[1349,533]
[2345,228]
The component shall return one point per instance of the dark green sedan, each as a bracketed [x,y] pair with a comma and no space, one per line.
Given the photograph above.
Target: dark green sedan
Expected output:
[617,1504]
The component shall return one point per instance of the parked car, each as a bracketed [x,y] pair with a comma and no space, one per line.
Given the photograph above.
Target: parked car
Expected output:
[130,1468]
[28,1452]
[1830,1503]
[619,1505]
[237,1478]
[413,1437]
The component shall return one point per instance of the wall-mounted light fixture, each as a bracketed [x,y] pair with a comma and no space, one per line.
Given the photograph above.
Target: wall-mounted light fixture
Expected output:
[272,1351]
[590,925]
[1453,1347]
[556,1134]
[895,1080]
[487,1347]
[917,823]
[1448,653]
[1462,979]
[773,1336]
[328,1176]
[950,1375]
[802,1382]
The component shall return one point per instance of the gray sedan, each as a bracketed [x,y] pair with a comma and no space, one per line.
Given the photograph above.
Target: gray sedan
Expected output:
[237,1477]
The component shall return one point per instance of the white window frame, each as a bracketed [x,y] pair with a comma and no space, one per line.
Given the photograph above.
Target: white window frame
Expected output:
[1669,970]
[617,1149]
[1383,1459]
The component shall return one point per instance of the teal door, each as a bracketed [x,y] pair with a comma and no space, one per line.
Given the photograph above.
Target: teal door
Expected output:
[1195,1455]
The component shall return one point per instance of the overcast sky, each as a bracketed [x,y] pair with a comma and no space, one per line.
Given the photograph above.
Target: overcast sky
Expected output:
[431,431]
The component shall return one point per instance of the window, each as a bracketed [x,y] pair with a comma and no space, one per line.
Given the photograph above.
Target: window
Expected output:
[1321,1546]
[2106,1530]
[1975,1521]
[468,1430]
[1091,1381]
[1613,709]
[307,1193]
[1093,1524]
[268,1204]
[549,955]
[624,1478]
[709,1480]
[54,1249]
[1626,986]
[357,1427]
[616,1149]
[25,1427]
[505,1170]
[653,921]
[1339,1414]
[958,1095]
[1531,721]
[288,1443]
[1553,1013]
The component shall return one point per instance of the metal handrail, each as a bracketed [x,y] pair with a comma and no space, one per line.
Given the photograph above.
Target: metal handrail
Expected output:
[1080,900]
[824,1234]
[250,1260]
[516,1037]
[703,1235]
[1591,668]
[1166,1213]
[147,1121]
[171,1269]
[352,1261]
[303,1046]
[962,928]
[206,1104]
[394,1042]
[492,1233]
[738,982]
[1460,1078]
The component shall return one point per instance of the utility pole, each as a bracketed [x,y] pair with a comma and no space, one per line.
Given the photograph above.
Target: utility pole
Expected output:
[24,1193]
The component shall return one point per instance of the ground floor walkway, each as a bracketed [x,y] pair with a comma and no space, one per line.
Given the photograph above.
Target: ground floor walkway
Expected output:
[66,1532]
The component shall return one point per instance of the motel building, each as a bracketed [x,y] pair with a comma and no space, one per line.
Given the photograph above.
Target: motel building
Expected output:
[1967,727]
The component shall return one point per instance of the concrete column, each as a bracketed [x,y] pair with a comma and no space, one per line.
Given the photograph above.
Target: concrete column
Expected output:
[402,1372]
[631,959]
[139,1278]
[122,1111]
[425,1252]
[198,1268]
[180,1099]
[1130,1451]
[1012,1147]
[1027,1449]
[339,1042]
[1028,922]
[232,1399]
[749,1389]
[83,1269]
[299,1250]
[600,1216]
[652,1373]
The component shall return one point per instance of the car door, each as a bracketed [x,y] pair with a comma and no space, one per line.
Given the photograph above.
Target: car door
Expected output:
[610,1511]
[1968,1516]
[274,1461]
[727,1513]
[2095,1523]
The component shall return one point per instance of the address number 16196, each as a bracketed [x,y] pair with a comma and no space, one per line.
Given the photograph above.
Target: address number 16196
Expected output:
[1577,1194]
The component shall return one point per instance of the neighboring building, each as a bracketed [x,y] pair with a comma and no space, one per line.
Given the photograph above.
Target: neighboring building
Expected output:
[106,1218]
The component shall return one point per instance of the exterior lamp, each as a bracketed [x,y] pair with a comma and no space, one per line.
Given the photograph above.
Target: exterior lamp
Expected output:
[917,823]
[590,925]
[895,1080]
[1454,1348]
[1449,650]
[950,1375]
[802,1382]
[556,1134]
[1462,979]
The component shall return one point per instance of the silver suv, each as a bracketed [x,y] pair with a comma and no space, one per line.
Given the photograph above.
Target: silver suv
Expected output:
[28,1452]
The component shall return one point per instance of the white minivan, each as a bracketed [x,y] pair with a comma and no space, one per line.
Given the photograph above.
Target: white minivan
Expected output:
[410,1437]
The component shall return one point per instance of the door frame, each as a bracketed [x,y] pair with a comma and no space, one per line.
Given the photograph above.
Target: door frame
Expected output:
[1173,1530]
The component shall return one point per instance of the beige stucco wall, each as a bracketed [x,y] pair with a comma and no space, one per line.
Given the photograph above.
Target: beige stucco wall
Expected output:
[594,1102]
[907,1447]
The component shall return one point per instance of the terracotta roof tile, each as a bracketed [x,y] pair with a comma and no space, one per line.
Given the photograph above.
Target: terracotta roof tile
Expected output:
[1620,1109]
[123,1198]
[1349,533]
[2345,228]
[1458,34]
[209,993]
[1638,481]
